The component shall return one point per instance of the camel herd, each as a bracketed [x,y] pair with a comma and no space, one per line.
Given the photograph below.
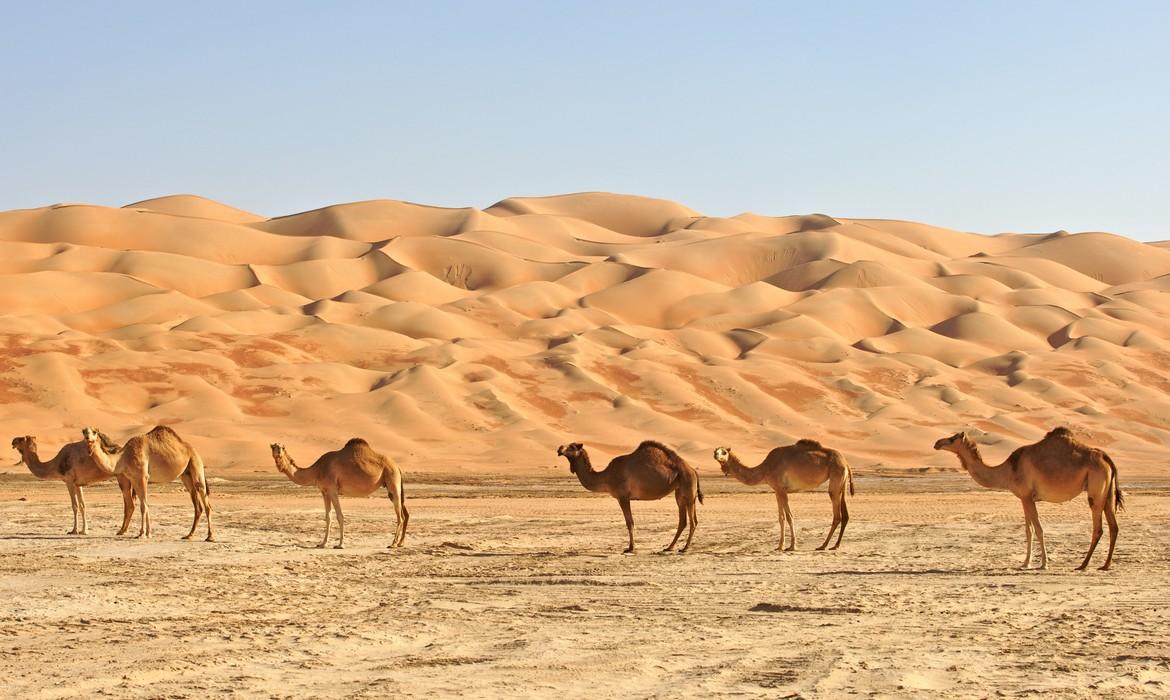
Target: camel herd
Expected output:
[1056,469]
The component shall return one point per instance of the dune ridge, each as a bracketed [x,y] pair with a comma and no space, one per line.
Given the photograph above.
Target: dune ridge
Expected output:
[480,339]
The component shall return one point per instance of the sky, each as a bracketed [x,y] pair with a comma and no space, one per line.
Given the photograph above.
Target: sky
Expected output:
[989,116]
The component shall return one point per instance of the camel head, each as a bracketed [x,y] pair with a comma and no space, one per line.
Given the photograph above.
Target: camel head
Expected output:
[24,445]
[277,451]
[90,435]
[723,456]
[954,443]
[571,452]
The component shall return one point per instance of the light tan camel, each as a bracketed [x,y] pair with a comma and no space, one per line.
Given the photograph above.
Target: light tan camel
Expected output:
[76,468]
[1056,469]
[354,470]
[158,457]
[648,473]
[799,467]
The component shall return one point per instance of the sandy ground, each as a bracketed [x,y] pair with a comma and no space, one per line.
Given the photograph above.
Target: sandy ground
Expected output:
[504,591]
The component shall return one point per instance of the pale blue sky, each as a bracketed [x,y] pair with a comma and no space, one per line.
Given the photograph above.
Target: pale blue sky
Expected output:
[987,116]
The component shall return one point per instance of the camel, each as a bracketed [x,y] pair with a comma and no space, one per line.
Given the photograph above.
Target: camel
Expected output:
[648,473]
[1055,469]
[76,468]
[354,470]
[158,457]
[799,467]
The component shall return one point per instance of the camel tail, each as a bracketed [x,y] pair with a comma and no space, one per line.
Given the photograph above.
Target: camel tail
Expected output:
[849,473]
[1118,499]
[698,487]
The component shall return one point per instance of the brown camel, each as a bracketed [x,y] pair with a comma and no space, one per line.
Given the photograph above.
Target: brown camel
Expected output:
[76,468]
[1056,469]
[158,457]
[647,474]
[799,467]
[354,470]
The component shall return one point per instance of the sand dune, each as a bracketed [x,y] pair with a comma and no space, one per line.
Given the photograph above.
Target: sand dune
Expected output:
[458,337]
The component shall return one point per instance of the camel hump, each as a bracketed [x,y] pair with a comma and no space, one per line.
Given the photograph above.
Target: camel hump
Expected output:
[810,444]
[1060,432]
[654,444]
[673,458]
[160,431]
[356,442]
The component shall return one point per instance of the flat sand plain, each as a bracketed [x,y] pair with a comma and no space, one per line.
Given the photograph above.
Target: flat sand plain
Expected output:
[519,590]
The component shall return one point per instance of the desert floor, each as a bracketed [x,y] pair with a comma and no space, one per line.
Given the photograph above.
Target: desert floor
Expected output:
[519,590]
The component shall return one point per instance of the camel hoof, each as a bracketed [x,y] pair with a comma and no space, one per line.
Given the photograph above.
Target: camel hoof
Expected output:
[187,537]
[339,546]
[821,548]
[1103,568]
[628,552]
[1082,567]
[209,538]
[321,546]
[683,550]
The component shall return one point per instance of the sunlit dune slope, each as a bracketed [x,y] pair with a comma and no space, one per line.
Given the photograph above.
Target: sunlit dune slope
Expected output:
[481,338]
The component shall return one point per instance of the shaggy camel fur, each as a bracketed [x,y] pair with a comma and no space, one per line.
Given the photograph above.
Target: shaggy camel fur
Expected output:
[76,468]
[799,467]
[158,457]
[1056,469]
[354,470]
[647,474]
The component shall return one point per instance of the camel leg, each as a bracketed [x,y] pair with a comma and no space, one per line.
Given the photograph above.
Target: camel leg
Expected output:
[190,484]
[143,510]
[836,520]
[1097,531]
[781,504]
[791,525]
[84,514]
[400,513]
[694,520]
[72,500]
[629,516]
[1029,516]
[844,518]
[340,522]
[682,519]
[1111,516]
[328,509]
[127,503]
[201,492]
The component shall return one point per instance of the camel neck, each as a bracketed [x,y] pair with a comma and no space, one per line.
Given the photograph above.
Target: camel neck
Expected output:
[743,473]
[288,466]
[101,458]
[42,470]
[997,478]
[583,468]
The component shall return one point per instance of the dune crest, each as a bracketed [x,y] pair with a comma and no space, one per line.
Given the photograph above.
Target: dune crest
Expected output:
[489,336]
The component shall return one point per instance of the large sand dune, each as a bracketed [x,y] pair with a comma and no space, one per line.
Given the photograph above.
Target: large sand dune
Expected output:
[479,339]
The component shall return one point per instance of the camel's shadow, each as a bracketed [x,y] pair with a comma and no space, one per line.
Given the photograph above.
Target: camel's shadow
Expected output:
[41,536]
[905,572]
